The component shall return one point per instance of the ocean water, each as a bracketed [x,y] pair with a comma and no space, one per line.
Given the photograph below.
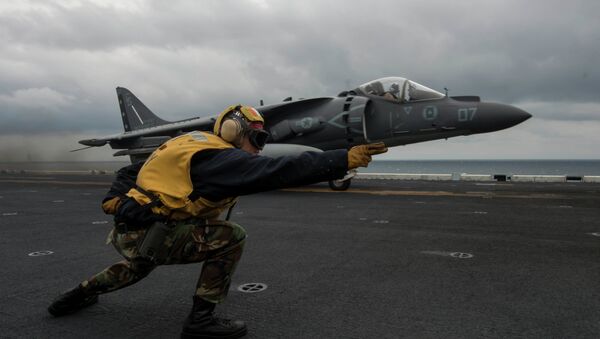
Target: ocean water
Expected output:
[508,167]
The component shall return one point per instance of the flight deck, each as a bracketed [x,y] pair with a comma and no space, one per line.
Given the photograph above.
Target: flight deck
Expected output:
[385,259]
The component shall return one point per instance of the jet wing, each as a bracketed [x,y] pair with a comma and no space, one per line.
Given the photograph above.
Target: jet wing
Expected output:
[170,129]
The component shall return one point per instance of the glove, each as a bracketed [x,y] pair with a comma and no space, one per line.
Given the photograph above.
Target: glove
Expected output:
[111,206]
[360,156]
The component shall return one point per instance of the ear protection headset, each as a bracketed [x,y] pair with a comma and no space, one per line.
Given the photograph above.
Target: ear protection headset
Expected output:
[233,123]
[233,128]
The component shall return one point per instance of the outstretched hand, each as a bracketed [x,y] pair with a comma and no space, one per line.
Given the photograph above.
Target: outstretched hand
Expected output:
[360,156]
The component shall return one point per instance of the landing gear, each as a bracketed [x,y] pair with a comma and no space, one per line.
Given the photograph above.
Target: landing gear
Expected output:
[343,183]
[339,185]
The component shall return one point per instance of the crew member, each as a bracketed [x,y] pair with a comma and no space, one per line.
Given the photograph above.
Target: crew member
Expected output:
[167,211]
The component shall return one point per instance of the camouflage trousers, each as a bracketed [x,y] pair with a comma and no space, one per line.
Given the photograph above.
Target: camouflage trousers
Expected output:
[218,244]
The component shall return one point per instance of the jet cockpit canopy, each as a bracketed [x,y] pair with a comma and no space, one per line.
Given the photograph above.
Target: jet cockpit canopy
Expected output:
[398,89]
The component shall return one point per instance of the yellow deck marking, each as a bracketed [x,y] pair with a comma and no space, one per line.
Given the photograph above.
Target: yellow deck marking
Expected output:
[430,193]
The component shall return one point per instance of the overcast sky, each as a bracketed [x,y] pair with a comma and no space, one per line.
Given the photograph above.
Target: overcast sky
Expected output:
[60,62]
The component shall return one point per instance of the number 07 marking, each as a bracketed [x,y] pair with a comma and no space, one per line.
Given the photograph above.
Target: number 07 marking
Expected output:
[466,114]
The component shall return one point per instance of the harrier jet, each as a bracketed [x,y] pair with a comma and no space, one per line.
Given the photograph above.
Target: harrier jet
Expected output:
[394,110]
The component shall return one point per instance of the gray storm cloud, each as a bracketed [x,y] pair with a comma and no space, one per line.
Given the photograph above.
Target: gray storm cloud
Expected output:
[61,60]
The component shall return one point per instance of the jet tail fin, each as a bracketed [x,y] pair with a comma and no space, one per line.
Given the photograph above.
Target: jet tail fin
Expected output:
[134,113]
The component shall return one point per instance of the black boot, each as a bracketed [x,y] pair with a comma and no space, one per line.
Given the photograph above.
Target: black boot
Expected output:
[71,301]
[201,323]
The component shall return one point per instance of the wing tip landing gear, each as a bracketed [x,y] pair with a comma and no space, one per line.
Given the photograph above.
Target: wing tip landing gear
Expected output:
[339,185]
[344,183]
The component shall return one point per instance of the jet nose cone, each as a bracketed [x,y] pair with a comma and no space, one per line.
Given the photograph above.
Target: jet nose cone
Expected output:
[494,117]
[516,114]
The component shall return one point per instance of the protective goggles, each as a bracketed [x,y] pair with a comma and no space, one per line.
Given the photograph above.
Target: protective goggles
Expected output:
[258,137]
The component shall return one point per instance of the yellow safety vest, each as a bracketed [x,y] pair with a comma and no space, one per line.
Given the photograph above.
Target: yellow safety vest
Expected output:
[166,174]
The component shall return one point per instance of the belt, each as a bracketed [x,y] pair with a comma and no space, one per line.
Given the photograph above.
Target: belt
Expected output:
[124,228]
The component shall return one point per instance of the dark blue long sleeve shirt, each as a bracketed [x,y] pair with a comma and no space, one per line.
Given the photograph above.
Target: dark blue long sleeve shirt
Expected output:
[219,174]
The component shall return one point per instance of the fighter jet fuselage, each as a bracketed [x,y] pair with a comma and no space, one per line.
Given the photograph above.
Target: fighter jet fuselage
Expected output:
[394,110]
[341,122]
